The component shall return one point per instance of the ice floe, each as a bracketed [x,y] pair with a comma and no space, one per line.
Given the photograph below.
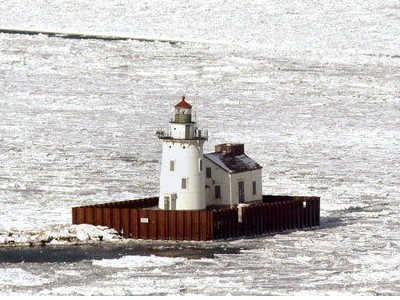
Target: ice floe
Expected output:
[59,234]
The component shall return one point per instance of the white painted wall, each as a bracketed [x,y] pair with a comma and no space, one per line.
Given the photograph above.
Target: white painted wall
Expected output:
[248,178]
[178,131]
[229,185]
[186,155]
[218,177]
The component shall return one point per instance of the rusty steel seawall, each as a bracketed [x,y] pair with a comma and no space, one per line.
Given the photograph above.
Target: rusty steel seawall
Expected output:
[139,219]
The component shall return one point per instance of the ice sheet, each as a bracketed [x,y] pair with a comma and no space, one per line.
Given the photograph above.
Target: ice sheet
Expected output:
[310,88]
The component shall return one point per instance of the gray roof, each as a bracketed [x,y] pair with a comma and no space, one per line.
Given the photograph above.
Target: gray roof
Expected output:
[236,164]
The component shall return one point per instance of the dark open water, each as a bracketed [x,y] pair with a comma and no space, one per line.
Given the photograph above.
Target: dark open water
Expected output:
[76,253]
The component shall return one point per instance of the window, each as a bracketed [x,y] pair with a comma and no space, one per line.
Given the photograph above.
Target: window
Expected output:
[217,192]
[187,131]
[208,172]
[185,182]
[201,165]
[172,165]
[254,187]
[241,191]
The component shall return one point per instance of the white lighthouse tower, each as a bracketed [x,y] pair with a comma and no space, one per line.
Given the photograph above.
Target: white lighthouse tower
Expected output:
[182,181]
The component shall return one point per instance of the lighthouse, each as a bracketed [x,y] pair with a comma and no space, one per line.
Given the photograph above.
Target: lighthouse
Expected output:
[196,189]
[182,180]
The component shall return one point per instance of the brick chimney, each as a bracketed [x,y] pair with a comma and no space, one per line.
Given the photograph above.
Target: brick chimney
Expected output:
[230,149]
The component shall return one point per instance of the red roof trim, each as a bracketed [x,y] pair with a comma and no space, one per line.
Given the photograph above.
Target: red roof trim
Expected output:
[183,103]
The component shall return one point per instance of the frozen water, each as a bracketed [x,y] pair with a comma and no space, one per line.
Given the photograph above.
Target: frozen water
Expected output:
[17,276]
[134,262]
[311,88]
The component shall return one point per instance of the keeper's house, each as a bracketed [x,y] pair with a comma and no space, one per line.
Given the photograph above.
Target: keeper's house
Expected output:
[231,176]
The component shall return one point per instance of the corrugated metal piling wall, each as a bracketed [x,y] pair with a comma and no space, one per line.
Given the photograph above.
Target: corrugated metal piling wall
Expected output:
[139,220]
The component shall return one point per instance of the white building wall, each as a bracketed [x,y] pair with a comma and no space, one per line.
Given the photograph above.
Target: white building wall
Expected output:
[229,183]
[178,131]
[186,156]
[248,177]
[218,177]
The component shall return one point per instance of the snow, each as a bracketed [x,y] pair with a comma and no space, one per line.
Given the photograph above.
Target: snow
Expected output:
[239,163]
[310,88]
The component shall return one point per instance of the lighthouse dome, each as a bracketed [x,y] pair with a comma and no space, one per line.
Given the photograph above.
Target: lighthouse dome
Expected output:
[183,112]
